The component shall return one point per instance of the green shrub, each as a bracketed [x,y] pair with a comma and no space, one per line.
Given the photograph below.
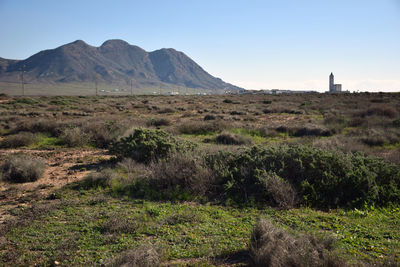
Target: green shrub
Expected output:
[19,140]
[228,101]
[25,100]
[145,145]
[321,178]
[22,169]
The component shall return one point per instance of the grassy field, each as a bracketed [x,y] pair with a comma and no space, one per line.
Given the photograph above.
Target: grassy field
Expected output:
[184,180]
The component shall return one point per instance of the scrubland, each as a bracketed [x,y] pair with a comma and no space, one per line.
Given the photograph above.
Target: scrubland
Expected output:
[229,180]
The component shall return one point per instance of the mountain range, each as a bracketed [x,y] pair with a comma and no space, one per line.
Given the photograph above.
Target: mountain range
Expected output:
[114,62]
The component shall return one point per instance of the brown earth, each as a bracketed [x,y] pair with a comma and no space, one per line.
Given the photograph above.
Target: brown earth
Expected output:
[63,166]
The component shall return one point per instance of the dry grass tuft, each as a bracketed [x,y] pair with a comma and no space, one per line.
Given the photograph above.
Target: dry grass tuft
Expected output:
[142,256]
[22,169]
[232,139]
[184,171]
[281,191]
[271,246]
[19,140]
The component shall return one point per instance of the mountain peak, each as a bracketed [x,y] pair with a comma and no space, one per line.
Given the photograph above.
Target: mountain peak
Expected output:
[79,43]
[114,62]
[115,43]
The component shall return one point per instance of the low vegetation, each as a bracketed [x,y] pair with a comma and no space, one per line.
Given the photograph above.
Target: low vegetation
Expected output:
[145,145]
[22,169]
[262,180]
[271,246]
[20,139]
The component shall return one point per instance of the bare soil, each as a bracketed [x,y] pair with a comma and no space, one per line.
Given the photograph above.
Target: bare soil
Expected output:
[63,166]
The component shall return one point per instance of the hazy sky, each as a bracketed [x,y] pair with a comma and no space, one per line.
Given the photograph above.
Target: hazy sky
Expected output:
[254,44]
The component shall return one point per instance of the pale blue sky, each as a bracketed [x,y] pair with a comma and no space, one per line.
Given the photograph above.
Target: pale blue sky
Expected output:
[251,43]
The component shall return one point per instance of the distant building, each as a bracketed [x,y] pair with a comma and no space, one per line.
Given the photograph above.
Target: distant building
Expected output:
[334,88]
[338,87]
[331,83]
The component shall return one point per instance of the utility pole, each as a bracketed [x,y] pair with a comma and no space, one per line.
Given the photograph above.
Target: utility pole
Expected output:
[160,90]
[97,91]
[131,88]
[22,79]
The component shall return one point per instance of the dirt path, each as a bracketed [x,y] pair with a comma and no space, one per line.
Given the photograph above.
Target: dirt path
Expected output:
[62,167]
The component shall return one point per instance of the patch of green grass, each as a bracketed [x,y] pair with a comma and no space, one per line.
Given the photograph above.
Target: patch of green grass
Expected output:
[45,141]
[348,130]
[91,227]
[256,136]
[391,146]
[182,230]
[369,234]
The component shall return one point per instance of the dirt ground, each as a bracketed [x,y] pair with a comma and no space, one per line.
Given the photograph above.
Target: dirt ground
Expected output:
[63,166]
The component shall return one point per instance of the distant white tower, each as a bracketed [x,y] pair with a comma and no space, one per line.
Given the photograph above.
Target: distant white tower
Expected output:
[331,83]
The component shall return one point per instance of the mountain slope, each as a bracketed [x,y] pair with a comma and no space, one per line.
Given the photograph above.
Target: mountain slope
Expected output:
[114,62]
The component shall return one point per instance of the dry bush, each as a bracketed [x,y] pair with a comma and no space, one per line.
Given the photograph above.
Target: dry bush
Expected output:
[128,164]
[134,169]
[209,117]
[271,246]
[385,111]
[182,170]
[74,137]
[157,122]
[102,133]
[142,256]
[232,139]
[19,140]
[185,216]
[392,156]
[332,118]
[166,110]
[357,122]
[344,144]
[281,191]
[267,132]
[201,127]
[380,137]
[49,126]
[22,169]
[282,110]
[98,179]
[307,130]
[118,223]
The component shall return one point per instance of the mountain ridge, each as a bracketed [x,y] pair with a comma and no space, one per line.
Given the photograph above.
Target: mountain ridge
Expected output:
[114,62]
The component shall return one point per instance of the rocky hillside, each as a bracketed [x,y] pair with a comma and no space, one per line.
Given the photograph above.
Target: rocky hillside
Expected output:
[114,62]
